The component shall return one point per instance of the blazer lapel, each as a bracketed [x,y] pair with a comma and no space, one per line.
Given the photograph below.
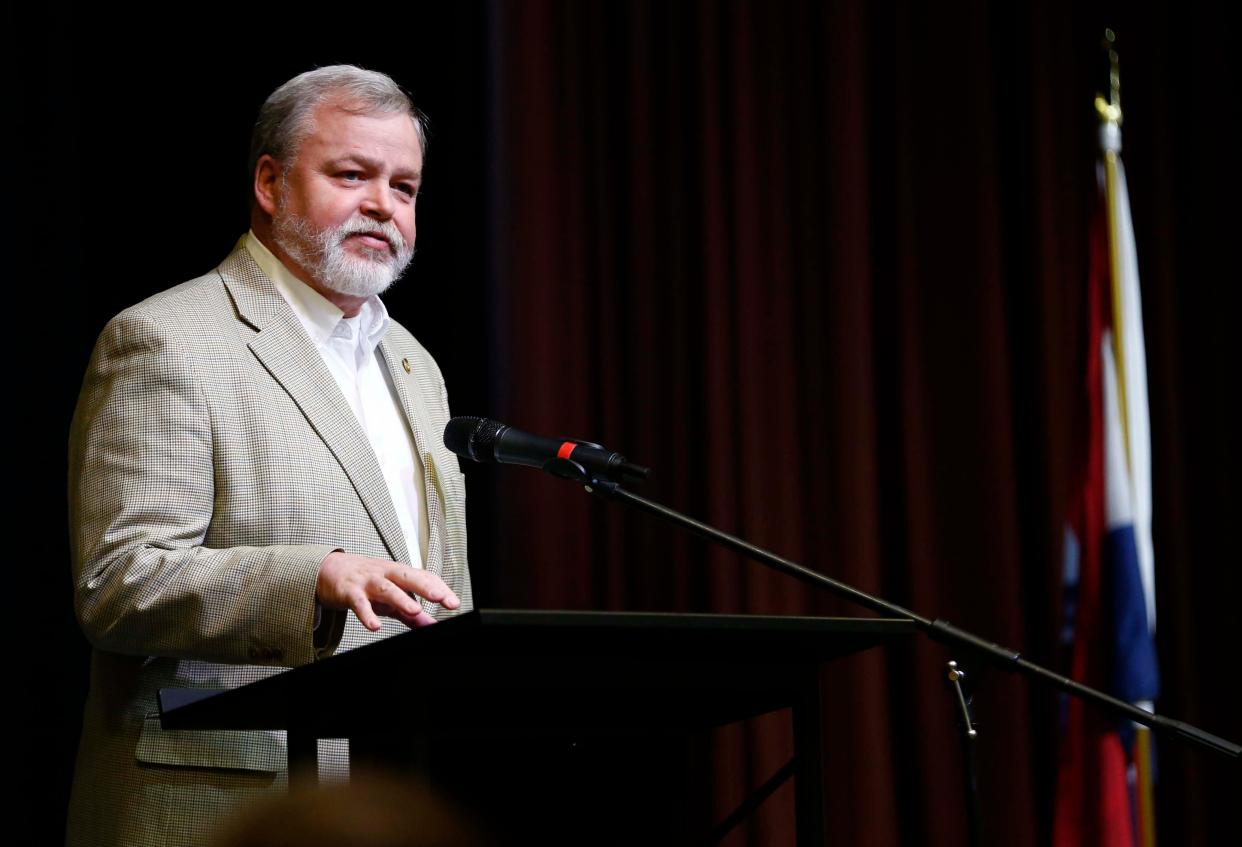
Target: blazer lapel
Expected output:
[432,488]
[286,351]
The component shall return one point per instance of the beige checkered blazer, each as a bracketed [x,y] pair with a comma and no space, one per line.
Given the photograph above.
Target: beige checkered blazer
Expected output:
[213,465]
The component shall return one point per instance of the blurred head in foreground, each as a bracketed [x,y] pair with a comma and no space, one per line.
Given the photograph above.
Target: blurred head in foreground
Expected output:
[371,811]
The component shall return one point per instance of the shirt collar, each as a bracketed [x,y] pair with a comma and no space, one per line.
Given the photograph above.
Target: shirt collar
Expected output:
[319,315]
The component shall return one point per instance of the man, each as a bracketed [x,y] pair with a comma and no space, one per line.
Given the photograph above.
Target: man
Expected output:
[257,476]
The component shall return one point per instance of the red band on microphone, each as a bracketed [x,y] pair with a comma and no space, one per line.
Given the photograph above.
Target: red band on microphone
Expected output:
[567,449]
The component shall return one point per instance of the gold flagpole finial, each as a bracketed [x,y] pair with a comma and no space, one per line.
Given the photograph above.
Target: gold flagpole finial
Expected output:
[1109,109]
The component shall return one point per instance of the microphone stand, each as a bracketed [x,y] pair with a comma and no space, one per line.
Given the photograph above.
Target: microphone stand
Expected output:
[939,630]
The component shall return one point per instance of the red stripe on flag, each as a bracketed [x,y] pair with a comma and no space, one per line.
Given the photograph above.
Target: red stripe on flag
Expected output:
[1093,799]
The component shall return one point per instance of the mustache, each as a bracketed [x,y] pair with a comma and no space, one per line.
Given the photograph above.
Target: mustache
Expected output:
[384,229]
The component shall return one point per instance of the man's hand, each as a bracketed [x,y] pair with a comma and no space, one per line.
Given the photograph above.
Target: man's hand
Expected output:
[374,587]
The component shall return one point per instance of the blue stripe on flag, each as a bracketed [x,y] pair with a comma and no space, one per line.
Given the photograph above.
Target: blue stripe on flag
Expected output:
[1135,676]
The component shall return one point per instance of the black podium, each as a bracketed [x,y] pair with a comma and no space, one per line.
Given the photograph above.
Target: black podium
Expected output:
[554,679]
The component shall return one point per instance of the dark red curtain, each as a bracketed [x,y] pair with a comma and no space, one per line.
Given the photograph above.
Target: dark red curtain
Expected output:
[823,267]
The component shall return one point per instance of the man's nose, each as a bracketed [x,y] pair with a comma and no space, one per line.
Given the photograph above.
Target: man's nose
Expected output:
[378,201]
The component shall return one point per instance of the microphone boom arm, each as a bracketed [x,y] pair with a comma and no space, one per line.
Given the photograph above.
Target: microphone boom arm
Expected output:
[938,630]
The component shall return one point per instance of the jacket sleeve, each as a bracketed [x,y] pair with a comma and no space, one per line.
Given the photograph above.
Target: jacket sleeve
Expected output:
[141,495]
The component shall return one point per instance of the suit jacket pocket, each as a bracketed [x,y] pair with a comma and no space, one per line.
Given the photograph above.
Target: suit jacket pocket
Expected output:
[258,750]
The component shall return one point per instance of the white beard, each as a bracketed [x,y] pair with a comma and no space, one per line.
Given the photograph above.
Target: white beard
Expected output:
[323,254]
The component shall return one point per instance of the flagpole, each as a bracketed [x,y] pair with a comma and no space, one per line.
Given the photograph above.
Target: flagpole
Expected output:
[1109,111]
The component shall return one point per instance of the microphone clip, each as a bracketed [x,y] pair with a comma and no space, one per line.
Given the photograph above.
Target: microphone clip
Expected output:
[566,468]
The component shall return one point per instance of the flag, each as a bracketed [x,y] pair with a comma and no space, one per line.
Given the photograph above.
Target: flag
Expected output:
[1103,794]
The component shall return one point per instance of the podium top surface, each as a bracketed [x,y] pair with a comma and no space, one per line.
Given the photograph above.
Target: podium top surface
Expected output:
[553,666]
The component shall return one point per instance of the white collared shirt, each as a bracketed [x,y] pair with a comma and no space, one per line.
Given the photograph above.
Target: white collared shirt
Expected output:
[350,349]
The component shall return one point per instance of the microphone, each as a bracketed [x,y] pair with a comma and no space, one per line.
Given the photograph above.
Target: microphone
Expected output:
[483,440]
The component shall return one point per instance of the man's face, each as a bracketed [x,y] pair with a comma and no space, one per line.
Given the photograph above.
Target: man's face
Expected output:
[345,208]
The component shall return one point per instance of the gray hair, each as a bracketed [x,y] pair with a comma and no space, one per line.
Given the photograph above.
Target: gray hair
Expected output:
[285,118]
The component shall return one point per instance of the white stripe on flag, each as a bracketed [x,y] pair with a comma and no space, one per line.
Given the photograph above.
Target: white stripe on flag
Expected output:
[1129,323]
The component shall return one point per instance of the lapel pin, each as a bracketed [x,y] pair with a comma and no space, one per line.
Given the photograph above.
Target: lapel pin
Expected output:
[405,363]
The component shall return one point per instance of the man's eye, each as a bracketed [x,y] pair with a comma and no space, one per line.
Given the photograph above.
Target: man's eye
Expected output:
[407,190]
[351,176]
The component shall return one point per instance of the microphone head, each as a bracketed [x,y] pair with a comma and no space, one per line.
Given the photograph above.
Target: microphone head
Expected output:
[473,438]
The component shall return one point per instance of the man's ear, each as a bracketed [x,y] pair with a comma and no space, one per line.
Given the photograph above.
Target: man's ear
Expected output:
[268,183]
